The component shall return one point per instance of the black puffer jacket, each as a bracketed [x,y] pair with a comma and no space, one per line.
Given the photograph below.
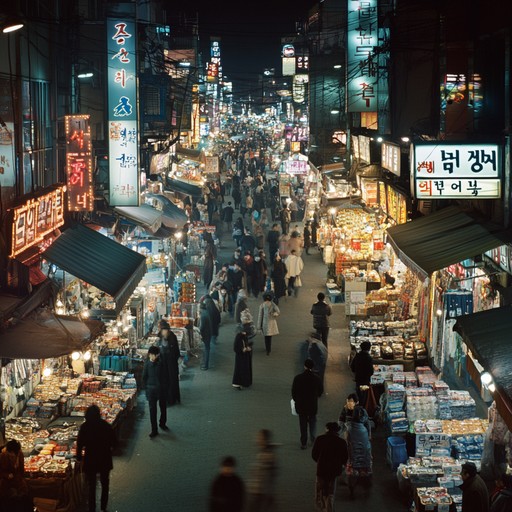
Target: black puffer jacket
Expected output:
[321,313]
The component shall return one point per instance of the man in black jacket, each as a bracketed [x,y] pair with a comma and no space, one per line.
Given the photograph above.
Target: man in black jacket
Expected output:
[153,378]
[273,242]
[306,389]
[362,366]
[321,312]
[330,452]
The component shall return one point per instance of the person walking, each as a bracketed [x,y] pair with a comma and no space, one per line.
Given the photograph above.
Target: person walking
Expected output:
[267,320]
[321,312]
[501,500]
[307,237]
[94,446]
[359,465]
[330,452]
[210,255]
[152,379]
[285,219]
[295,243]
[295,265]
[345,416]
[362,366]
[306,389]
[215,316]
[170,355]
[313,349]
[475,497]
[273,241]
[278,276]
[240,305]
[206,329]
[262,482]
[242,374]
[259,274]
[227,492]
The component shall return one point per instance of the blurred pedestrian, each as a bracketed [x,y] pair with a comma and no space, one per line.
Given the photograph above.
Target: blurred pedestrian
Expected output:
[359,466]
[273,242]
[242,374]
[152,379]
[206,329]
[330,453]
[321,312]
[227,492]
[306,389]
[170,355]
[262,483]
[501,500]
[278,276]
[267,320]
[307,236]
[362,366]
[294,265]
[346,412]
[95,442]
[313,349]
[227,216]
[210,256]
[259,274]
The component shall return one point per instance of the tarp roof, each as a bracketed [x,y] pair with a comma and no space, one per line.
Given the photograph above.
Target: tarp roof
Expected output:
[172,215]
[43,335]
[444,238]
[487,334]
[145,216]
[99,261]
[183,187]
[188,153]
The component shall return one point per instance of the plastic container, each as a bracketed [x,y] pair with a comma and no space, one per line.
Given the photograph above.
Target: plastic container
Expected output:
[396,451]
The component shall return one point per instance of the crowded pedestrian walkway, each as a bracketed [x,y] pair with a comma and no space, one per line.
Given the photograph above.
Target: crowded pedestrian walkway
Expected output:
[215,420]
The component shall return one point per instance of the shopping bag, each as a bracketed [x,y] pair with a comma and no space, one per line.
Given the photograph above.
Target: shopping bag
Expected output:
[292,405]
[371,403]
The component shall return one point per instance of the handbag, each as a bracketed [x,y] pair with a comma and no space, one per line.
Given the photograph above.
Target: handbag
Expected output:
[292,405]
[298,282]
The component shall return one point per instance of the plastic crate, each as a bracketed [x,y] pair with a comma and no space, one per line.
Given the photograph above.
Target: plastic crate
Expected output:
[396,451]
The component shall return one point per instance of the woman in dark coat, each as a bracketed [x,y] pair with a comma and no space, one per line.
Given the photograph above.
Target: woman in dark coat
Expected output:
[307,237]
[259,274]
[359,466]
[210,255]
[278,277]
[242,375]
[170,355]
[96,437]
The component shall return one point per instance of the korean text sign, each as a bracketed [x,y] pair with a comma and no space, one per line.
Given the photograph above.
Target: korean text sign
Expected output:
[123,134]
[457,171]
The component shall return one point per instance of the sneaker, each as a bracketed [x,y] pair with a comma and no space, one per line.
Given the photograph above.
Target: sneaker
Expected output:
[153,434]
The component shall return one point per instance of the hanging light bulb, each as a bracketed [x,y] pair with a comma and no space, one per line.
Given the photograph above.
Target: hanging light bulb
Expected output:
[486,378]
[85,313]
[47,371]
[75,356]
[59,303]
[87,355]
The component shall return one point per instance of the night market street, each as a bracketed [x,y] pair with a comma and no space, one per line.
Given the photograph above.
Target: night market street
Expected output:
[174,470]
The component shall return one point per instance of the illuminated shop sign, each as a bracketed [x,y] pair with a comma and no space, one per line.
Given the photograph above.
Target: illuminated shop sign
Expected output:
[362,65]
[457,171]
[36,219]
[288,66]
[123,132]
[355,146]
[364,149]
[390,157]
[302,64]
[79,163]
[288,50]
[7,178]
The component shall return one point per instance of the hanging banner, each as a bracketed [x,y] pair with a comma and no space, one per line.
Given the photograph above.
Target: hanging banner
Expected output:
[123,135]
[362,65]
[79,163]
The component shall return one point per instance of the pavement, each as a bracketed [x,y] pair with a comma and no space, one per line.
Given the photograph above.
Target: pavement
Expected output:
[174,471]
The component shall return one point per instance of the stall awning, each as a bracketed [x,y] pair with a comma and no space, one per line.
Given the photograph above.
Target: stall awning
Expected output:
[145,216]
[487,335]
[43,335]
[99,261]
[172,215]
[189,154]
[183,187]
[444,238]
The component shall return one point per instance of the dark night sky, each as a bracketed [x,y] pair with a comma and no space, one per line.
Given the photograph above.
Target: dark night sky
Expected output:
[250,33]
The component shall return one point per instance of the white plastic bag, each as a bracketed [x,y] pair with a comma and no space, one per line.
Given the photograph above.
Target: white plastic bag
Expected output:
[292,405]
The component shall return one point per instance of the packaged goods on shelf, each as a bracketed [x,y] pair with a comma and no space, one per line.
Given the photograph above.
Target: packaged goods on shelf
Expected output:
[457,405]
[420,406]
[433,498]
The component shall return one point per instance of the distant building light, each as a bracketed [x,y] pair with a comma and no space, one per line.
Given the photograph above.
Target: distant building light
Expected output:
[335,111]
[85,74]
[405,139]
[337,66]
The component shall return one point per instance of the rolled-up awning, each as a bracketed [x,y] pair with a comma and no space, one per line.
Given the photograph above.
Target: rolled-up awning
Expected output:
[487,335]
[145,216]
[444,238]
[43,335]
[99,261]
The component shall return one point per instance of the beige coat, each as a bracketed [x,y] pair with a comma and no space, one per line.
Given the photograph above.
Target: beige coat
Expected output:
[267,318]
